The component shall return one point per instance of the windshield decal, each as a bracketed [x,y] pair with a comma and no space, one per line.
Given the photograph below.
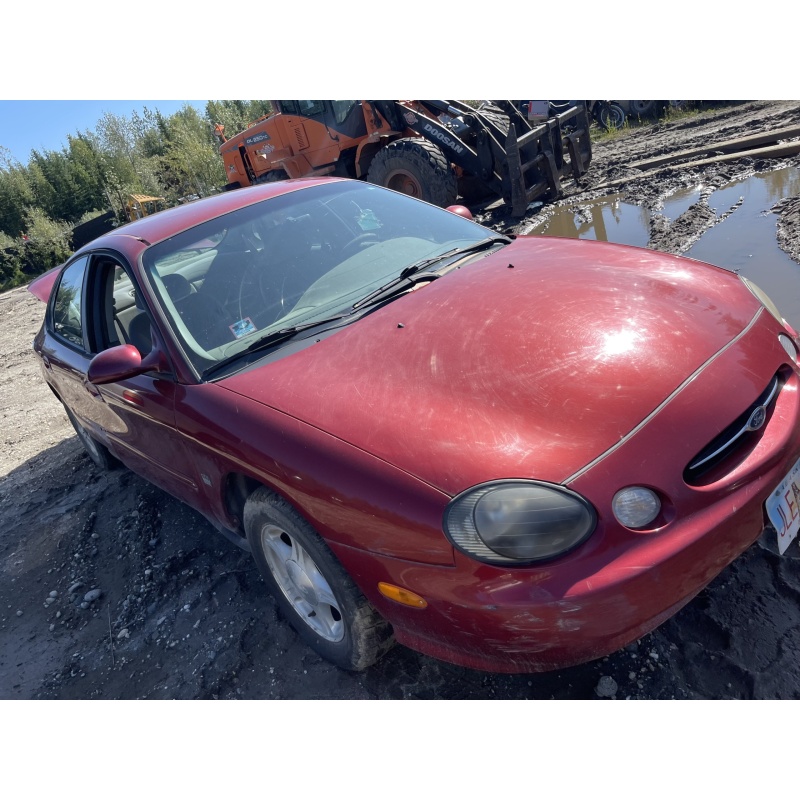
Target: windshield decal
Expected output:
[242,327]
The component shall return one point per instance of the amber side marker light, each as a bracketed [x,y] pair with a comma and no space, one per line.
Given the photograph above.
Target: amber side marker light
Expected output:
[402,595]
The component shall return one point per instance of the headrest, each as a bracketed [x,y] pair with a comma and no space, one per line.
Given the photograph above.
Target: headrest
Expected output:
[177,286]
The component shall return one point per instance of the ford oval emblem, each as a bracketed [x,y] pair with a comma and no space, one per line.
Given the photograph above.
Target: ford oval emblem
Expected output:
[757,418]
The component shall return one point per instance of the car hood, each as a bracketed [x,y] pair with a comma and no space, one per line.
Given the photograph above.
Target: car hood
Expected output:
[529,362]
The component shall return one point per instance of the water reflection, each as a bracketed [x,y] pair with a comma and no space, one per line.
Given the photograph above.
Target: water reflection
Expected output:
[680,202]
[745,241]
[606,220]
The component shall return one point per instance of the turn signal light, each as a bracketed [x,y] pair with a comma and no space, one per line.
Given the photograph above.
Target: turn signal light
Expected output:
[402,595]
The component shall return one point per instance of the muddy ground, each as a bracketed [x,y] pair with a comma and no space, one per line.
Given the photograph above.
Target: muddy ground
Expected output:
[109,588]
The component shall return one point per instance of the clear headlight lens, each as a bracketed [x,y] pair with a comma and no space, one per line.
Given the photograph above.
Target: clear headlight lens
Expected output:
[635,506]
[518,521]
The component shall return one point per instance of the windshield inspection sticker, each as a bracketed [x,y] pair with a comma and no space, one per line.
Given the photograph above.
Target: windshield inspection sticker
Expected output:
[242,327]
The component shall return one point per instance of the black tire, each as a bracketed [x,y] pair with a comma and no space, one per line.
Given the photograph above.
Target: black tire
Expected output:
[611,117]
[272,176]
[496,117]
[415,167]
[643,108]
[312,588]
[472,189]
[96,451]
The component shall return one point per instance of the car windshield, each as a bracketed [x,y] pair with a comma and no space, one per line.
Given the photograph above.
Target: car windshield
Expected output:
[304,256]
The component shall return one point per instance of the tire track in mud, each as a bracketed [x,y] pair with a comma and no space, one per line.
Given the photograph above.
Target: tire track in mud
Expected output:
[611,158]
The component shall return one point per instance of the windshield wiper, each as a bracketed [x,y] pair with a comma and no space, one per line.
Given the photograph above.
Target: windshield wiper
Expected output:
[271,339]
[411,274]
[408,277]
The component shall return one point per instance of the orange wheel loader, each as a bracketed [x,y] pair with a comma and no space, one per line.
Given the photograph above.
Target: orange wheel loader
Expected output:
[436,150]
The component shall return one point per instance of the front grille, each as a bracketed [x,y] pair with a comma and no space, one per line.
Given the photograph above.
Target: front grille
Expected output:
[744,431]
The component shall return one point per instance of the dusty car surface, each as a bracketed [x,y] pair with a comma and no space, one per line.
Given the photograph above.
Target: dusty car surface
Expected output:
[511,453]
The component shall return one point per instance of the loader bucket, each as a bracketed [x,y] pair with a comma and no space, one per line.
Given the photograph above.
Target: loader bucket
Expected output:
[496,144]
[539,157]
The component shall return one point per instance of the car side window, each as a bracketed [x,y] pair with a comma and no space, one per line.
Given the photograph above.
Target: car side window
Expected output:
[121,310]
[68,304]
[133,321]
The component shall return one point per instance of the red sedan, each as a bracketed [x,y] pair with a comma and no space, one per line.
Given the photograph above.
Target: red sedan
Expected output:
[511,453]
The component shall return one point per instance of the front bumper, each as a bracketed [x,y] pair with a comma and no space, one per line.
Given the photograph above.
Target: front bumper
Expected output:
[620,584]
[533,620]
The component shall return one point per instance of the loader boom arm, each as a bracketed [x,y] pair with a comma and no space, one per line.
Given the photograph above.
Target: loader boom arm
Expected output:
[516,160]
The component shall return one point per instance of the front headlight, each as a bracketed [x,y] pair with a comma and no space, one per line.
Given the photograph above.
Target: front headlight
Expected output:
[635,506]
[514,522]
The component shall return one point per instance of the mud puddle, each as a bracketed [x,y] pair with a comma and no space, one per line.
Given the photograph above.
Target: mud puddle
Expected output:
[746,241]
[608,219]
[732,227]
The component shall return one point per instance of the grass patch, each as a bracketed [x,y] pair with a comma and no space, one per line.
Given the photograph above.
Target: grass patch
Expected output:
[669,115]
[598,134]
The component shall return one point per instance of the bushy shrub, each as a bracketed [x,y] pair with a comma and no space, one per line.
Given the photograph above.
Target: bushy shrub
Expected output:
[48,244]
[90,215]
[10,263]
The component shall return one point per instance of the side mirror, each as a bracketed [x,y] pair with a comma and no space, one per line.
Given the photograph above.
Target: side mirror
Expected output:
[122,362]
[461,211]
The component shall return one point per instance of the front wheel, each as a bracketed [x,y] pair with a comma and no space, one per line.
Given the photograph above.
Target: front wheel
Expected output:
[416,167]
[312,588]
[96,451]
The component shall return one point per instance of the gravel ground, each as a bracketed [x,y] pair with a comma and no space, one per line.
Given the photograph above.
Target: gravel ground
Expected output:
[110,588]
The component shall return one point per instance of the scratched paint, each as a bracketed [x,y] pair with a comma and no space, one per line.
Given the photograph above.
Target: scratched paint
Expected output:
[743,239]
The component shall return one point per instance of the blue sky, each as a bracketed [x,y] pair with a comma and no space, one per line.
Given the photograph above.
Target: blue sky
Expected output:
[26,125]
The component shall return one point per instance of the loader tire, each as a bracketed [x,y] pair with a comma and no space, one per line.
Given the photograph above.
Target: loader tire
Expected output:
[415,167]
[496,117]
[272,176]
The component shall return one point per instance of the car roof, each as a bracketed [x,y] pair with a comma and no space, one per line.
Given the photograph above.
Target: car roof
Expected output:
[164,224]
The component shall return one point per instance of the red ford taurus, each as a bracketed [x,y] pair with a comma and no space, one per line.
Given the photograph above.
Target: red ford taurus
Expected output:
[511,453]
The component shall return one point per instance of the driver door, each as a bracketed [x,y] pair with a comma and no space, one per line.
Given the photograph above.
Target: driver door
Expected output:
[134,417]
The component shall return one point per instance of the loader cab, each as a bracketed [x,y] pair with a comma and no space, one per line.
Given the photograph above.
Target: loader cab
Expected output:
[344,117]
[303,137]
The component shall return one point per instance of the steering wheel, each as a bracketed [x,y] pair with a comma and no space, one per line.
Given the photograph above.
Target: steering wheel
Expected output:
[357,242]
[258,298]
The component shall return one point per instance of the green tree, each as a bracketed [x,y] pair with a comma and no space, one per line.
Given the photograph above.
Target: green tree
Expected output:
[49,242]
[236,115]
[16,194]
[146,153]
[129,168]
[54,185]
[191,163]
[89,172]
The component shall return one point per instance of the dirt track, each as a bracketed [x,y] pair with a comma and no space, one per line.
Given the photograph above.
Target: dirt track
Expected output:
[182,613]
